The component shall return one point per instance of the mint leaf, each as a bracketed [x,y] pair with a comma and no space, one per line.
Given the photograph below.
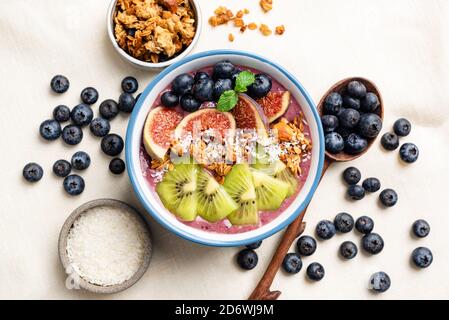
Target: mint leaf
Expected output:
[244,80]
[227,101]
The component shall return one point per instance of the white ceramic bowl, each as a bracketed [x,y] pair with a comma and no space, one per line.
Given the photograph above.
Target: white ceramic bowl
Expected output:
[149,65]
[134,140]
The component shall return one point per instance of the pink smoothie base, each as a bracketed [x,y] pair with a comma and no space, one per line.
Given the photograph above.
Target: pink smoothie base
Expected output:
[225,226]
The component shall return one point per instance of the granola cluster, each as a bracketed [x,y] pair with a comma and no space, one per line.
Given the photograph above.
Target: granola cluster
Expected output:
[154,30]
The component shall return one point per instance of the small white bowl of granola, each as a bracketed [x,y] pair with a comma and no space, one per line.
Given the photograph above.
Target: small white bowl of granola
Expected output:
[153,34]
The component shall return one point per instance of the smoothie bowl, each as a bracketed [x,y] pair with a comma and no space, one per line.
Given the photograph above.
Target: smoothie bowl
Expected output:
[224,148]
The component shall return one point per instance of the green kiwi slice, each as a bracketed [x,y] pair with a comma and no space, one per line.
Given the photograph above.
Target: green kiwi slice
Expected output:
[270,192]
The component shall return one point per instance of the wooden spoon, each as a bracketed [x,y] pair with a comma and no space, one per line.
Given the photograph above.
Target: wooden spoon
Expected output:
[294,230]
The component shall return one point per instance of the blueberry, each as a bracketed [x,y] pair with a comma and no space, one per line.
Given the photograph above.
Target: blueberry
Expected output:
[126,102]
[100,127]
[402,127]
[330,123]
[364,225]
[333,103]
[372,243]
[109,109]
[61,113]
[325,229]
[247,259]
[355,144]
[50,130]
[72,134]
[254,245]
[117,166]
[348,250]
[388,197]
[32,172]
[334,142]
[306,246]
[130,85]
[379,282]
[370,102]
[352,175]
[421,228]
[349,118]
[74,184]
[59,84]
[81,115]
[356,192]
[234,76]
[343,132]
[203,90]
[89,95]
[201,76]
[169,99]
[315,271]
[409,152]
[390,141]
[344,222]
[370,125]
[62,168]
[350,102]
[422,257]
[223,70]
[80,160]
[182,84]
[292,263]
[189,103]
[371,184]
[356,89]
[261,86]
[112,144]
[220,86]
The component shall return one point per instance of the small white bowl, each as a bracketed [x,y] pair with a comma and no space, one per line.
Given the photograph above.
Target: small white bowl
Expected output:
[149,65]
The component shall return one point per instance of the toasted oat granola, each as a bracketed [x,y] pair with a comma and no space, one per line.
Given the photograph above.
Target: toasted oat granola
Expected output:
[154,30]
[266,5]
[280,30]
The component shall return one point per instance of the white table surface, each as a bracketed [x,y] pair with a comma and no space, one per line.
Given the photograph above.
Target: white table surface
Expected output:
[402,45]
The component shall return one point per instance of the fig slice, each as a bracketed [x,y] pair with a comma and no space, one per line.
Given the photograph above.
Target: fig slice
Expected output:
[158,131]
[249,115]
[275,104]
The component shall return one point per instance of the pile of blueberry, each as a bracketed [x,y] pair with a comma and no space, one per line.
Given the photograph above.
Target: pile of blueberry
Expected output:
[81,116]
[352,176]
[350,119]
[408,152]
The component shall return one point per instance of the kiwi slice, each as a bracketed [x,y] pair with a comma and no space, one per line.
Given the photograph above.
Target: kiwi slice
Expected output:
[239,185]
[270,192]
[214,203]
[178,191]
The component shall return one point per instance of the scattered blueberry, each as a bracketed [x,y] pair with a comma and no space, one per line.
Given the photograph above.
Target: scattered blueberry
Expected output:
[409,152]
[372,243]
[348,250]
[80,160]
[117,166]
[390,141]
[388,197]
[364,225]
[100,127]
[422,257]
[81,115]
[333,104]
[421,228]
[306,246]
[201,76]
[126,102]
[352,175]
[356,89]
[371,184]
[370,125]
[109,109]
[315,271]
[370,102]
[89,95]
[220,86]
[59,84]
[261,86]
[189,103]
[334,142]
[330,123]
[356,192]
[203,90]
[32,172]
[254,245]
[292,263]
[169,99]
[379,282]
[350,102]
[112,144]
[74,184]
[182,84]
[72,134]
[50,130]
[349,118]
[247,259]
[402,127]
[325,229]
[223,70]
[61,113]
[344,222]
[130,85]
[62,168]
[355,144]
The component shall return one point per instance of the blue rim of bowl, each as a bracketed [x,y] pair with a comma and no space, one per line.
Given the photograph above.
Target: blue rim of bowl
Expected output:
[132,171]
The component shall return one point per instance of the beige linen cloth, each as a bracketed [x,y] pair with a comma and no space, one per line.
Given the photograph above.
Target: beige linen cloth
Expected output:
[402,45]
